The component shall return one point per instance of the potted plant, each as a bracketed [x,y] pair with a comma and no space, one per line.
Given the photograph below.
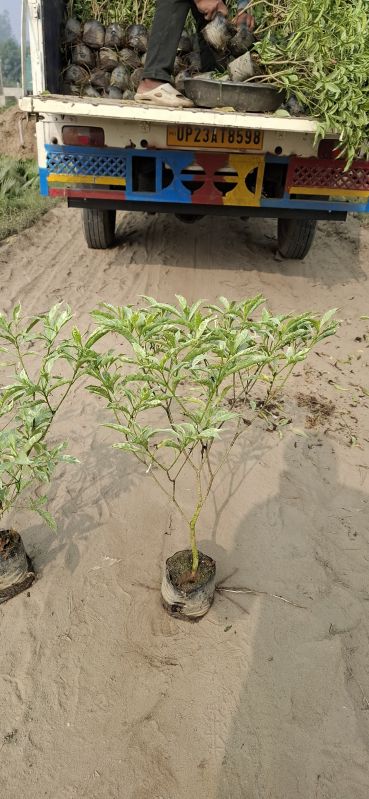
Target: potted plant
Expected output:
[39,368]
[185,376]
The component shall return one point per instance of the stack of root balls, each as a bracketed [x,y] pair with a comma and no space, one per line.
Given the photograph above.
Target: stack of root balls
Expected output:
[230,47]
[234,48]
[103,62]
[109,61]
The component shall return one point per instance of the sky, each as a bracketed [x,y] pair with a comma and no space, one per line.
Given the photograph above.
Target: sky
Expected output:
[14,8]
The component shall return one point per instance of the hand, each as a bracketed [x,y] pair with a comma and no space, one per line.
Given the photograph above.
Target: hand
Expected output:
[210,8]
[244,18]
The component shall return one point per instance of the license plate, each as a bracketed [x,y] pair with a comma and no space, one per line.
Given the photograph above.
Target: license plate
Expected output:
[189,136]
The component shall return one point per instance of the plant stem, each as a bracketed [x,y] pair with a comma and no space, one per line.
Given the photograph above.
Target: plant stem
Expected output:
[193,523]
[195,551]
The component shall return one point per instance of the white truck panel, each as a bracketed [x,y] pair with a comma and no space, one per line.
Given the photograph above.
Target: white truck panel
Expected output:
[134,112]
[31,12]
[142,135]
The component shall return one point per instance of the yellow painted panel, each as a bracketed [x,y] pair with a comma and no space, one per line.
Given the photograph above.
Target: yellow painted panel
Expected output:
[102,181]
[243,165]
[328,192]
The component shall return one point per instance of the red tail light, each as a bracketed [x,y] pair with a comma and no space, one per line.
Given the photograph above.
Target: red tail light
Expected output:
[79,136]
[329,148]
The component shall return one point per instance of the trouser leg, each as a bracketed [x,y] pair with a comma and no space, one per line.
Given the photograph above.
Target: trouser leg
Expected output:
[169,21]
[207,55]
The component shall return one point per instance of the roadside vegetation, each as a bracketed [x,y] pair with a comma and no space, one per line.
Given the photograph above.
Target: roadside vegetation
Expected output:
[10,52]
[20,202]
[5,108]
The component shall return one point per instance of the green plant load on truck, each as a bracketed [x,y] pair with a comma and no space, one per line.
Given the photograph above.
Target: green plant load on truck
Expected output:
[278,127]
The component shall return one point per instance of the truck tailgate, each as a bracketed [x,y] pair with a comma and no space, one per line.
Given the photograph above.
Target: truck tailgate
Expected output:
[134,112]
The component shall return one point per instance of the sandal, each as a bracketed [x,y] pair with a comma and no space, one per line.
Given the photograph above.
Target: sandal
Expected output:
[164,95]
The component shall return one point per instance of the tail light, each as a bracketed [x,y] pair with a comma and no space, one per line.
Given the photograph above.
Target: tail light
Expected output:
[329,148]
[82,136]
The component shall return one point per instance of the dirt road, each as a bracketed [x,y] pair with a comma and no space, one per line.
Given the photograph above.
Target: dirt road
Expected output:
[102,695]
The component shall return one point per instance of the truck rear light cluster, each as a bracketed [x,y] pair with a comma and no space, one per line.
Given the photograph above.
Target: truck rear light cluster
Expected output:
[329,148]
[79,136]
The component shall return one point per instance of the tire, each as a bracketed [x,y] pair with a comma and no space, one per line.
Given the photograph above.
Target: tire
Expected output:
[99,228]
[295,237]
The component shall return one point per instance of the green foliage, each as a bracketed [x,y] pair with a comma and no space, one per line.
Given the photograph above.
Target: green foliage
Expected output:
[20,201]
[39,368]
[318,50]
[123,11]
[191,373]
[16,177]
[10,52]
[11,59]
[5,27]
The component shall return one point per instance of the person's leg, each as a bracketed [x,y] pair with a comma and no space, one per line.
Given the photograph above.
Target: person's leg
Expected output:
[169,21]
[207,55]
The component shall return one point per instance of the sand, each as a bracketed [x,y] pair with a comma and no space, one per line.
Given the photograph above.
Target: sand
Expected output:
[104,696]
[17,134]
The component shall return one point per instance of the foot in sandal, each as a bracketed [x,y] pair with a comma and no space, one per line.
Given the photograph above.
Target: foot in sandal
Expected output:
[153,92]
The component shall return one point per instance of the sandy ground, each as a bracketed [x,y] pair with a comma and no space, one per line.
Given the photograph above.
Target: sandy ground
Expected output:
[17,134]
[102,695]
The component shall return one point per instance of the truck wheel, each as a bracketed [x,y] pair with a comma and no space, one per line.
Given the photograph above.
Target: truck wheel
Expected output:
[99,228]
[295,237]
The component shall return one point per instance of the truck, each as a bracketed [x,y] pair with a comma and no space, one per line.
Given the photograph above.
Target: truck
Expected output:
[104,156]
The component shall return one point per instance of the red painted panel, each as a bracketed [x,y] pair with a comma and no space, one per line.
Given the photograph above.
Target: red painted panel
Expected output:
[93,195]
[327,174]
[208,194]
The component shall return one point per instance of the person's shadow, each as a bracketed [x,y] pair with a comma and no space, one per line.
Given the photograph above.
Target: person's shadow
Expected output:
[300,723]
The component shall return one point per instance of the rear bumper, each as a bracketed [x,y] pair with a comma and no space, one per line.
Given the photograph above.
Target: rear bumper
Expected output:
[202,182]
[205,210]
